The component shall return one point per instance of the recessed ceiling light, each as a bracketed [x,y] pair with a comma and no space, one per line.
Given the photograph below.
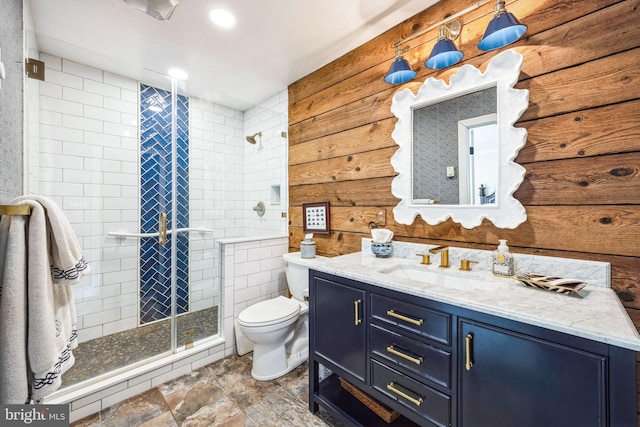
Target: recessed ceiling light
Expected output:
[222,18]
[178,74]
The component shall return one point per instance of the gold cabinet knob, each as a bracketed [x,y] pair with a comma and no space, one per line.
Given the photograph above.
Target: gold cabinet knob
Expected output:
[465,264]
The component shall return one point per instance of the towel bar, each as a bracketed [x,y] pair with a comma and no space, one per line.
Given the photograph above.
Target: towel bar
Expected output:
[15,210]
[124,235]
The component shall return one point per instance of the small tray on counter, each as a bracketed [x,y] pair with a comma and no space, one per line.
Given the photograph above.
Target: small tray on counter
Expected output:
[551,283]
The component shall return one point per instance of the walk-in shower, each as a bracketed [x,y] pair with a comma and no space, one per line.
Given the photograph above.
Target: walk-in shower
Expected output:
[157,293]
[109,162]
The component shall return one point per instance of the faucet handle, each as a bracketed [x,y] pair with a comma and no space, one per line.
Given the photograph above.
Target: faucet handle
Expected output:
[426,259]
[465,264]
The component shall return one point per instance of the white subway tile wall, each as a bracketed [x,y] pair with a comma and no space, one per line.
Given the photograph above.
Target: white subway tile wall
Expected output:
[88,163]
[266,166]
[84,154]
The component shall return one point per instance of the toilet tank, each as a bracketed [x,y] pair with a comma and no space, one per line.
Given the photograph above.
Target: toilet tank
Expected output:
[296,270]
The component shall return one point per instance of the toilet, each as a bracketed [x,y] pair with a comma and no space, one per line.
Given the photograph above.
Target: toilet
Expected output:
[278,329]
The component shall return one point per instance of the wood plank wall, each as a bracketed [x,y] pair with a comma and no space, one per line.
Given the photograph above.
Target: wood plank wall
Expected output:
[582,186]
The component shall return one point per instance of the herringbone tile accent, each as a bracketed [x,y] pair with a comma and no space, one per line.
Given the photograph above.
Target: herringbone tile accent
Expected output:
[156,194]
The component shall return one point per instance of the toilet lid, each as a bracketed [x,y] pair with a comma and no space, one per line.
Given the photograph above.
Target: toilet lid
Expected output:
[270,311]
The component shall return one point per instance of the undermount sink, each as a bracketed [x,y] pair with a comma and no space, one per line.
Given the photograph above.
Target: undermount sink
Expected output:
[450,278]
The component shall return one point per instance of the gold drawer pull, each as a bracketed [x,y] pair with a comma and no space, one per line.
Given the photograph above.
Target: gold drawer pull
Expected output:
[468,362]
[356,304]
[391,387]
[392,313]
[392,350]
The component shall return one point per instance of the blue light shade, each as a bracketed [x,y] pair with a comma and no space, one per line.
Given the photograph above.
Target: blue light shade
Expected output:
[400,71]
[443,55]
[503,29]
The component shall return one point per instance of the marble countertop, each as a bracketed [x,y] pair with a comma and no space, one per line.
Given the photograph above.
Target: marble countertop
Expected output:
[596,313]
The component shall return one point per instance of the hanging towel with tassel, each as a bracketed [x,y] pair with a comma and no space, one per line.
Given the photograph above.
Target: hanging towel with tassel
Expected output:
[39,259]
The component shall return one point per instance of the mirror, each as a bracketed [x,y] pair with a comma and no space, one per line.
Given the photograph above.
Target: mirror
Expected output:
[443,148]
[478,160]
[457,146]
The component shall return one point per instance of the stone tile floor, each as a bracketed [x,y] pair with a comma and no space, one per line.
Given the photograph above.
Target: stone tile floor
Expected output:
[220,394]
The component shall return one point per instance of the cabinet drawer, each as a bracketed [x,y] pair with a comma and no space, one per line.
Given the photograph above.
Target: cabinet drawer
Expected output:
[419,358]
[428,403]
[410,317]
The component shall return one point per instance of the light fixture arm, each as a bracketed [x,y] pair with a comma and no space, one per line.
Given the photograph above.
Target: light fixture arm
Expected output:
[449,31]
[444,21]
[500,8]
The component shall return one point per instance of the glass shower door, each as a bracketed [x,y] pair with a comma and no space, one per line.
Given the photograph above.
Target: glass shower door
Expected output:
[188,295]
[156,288]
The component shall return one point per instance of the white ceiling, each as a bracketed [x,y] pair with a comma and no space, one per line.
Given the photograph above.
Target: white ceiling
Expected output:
[273,44]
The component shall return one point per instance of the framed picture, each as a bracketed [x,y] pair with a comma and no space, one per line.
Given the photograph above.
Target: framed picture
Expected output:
[315,218]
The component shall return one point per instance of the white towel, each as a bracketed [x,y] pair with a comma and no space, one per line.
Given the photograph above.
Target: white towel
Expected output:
[67,263]
[51,262]
[14,372]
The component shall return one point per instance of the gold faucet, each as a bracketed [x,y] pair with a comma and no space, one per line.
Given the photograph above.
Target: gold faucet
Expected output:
[444,255]
[426,259]
[465,264]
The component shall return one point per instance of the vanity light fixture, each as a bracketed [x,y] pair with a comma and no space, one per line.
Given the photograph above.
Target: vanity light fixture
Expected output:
[444,53]
[502,30]
[400,70]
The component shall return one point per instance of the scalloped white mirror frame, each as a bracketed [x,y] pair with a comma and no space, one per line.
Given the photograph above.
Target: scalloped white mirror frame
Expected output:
[502,72]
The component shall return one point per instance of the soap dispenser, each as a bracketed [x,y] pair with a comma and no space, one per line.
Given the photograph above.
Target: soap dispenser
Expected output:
[503,263]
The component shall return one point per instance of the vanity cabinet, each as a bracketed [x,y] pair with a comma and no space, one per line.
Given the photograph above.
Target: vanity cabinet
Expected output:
[441,365]
[511,379]
[339,309]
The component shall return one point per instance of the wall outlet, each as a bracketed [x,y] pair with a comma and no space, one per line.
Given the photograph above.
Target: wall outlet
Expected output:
[451,171]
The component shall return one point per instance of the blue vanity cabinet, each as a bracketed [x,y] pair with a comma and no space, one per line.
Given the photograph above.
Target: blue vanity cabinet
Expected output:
[339,337]
[338,340]
[518,375]
[441,365]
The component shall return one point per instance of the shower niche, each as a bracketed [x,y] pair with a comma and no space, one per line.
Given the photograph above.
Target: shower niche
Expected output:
[275,195]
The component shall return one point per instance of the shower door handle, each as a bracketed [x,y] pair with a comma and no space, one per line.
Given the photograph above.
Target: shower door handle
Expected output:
[162,228]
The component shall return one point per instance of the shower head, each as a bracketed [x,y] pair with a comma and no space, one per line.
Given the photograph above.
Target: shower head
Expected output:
[252,138]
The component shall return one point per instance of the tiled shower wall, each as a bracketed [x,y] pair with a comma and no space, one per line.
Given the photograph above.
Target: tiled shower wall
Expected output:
[266,166]
[89,165]
[157,170]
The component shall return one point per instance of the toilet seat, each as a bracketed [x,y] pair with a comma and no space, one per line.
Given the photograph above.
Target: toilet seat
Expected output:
[269,312]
